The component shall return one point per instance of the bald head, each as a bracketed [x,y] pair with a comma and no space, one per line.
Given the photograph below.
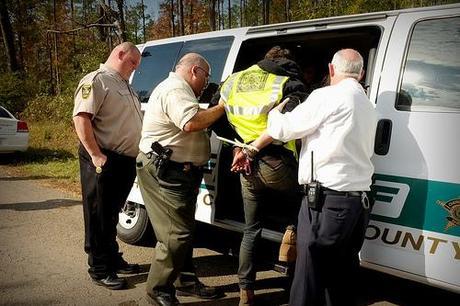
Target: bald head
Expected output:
[191,59]
[195,70]
[124,59]
[346,63]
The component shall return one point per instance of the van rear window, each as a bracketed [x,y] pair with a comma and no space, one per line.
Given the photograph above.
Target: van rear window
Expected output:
[215,50]
[156,63]
[431,76]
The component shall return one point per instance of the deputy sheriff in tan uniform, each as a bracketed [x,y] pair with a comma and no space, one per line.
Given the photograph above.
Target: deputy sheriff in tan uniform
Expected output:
[169,186]
[108,122]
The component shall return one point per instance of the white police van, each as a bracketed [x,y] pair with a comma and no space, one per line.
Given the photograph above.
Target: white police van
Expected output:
[412,67]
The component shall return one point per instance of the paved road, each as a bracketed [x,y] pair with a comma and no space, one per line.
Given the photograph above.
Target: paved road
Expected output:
[42,260]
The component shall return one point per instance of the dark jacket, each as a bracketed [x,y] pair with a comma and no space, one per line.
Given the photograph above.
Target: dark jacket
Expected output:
[294,88]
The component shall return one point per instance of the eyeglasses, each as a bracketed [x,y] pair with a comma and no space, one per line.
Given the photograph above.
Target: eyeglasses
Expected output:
[207,74]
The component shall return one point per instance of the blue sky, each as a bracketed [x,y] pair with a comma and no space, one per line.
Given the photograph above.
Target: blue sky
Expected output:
[152,6]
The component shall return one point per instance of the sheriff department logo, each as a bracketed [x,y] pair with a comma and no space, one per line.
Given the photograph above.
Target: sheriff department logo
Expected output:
[85,91]
[252,81]
[453,208]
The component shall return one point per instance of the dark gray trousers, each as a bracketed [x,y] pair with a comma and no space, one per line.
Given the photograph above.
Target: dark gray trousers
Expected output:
[328,243]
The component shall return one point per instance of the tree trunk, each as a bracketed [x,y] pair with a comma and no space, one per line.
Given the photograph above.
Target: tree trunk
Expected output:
[143,21]
[72,15]
[181,16]
[8,38]
[222,19]
[288,10]
[20,30]
[229,15]
[121,19]
[56,52]
[191,20]
[212,14]
[173,27]
[241,12]
[218,15]
[266,11]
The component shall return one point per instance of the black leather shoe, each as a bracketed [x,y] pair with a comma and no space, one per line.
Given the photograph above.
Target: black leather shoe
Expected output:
[112,282]
[162,299]
[128,269]
[123,267]
[198,289]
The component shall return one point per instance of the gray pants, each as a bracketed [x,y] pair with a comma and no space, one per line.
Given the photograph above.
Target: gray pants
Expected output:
[170,203]
[272,173]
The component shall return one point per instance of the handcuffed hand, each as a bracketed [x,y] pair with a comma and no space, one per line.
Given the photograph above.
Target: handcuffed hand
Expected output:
[241,163]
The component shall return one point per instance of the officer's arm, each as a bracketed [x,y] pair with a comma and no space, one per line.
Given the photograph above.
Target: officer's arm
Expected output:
[204,118]
[85,133]
[262,141]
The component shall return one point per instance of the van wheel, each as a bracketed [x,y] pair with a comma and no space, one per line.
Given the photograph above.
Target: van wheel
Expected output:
[134,225]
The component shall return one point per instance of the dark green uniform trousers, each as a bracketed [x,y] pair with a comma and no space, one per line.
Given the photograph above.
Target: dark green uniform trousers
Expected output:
[170,202]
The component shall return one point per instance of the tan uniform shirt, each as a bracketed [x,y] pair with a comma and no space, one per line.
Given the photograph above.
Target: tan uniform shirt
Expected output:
[171,105]
[115,108]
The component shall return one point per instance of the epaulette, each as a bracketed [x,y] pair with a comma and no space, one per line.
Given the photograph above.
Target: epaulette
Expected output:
[90,77]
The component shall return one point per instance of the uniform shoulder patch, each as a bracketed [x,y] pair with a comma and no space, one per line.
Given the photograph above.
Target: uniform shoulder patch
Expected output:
[85,91]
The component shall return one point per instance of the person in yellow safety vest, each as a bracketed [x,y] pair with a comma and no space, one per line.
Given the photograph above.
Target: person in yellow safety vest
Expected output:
[249,95]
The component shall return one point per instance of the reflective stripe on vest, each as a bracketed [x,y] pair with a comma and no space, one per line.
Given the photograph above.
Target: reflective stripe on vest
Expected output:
[250,95]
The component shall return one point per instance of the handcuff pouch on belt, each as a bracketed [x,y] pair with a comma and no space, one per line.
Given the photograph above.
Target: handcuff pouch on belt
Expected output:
[162,158]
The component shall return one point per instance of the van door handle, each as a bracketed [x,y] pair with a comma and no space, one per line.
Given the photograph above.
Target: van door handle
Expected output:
[383,137]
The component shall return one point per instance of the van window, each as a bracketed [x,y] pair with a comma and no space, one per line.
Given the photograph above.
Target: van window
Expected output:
[431,75]
[157,62]
[215,50]
[314,50]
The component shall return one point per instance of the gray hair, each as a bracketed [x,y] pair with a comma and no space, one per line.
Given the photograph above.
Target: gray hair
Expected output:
[190,59]
[348,62]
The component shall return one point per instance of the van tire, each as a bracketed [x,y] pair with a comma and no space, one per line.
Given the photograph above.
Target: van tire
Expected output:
[134,225]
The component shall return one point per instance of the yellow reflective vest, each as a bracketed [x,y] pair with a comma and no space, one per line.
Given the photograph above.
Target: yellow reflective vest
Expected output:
[249,96]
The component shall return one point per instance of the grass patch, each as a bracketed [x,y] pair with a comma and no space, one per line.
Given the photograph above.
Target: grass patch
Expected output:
[52,156]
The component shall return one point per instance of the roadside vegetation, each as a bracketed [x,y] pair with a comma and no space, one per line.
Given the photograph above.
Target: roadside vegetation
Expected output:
[52,153]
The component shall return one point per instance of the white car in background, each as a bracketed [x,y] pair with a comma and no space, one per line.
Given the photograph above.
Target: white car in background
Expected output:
[14,133]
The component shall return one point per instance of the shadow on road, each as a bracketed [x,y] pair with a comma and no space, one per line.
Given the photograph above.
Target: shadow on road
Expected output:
[32,177]
[44,205]
[266,299]
[379,287]
[35,155]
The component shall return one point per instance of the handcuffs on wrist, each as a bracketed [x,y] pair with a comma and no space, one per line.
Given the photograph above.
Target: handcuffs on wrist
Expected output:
[250,152]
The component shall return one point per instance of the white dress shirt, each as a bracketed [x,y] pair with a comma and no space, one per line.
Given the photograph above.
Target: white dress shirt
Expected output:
[338,124]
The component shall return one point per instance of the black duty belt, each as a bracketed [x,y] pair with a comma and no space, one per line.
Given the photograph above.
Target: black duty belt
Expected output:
[185,166]
[328,191]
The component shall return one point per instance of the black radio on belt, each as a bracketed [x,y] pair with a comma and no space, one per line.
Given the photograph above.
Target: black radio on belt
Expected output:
[313,190]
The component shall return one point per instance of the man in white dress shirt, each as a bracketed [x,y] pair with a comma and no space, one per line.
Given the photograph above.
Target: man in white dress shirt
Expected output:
[337,123]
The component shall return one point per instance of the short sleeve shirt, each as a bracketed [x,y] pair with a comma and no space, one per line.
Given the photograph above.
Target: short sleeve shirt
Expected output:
[115,110]
[171,105]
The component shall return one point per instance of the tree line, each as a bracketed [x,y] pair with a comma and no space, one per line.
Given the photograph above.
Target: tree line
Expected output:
[47,46]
